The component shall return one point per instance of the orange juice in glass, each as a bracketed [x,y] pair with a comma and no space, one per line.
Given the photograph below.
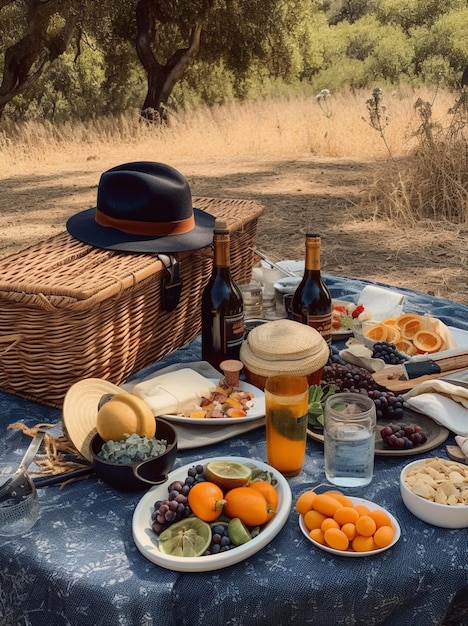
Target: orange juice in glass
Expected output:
[286,403]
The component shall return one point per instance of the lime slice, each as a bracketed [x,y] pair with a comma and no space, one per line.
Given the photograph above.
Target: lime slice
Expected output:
[238,532]
[189,537]
[227,474]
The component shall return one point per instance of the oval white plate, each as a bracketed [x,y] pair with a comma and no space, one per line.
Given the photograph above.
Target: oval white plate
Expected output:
[370,505]
[147,542]
[258,410]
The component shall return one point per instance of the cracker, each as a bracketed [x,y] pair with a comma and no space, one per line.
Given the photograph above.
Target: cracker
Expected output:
[441,481]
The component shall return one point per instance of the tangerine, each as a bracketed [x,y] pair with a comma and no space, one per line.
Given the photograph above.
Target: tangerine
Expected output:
[304,501]
[317,535]
[363,544]
[378,332]
[345,501]
[326,504]
[206,501]
[313,519]
[383,536]
[270,494]
[427,341]
[365,526]
[345,515]
[335,538]
[248,504]
[381,518]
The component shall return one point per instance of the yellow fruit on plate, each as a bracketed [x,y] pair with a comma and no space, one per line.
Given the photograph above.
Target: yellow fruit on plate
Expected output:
[401,321]
[427,341]
[406,346]
[377,332]
[393,334]
[410,327]
[123,415]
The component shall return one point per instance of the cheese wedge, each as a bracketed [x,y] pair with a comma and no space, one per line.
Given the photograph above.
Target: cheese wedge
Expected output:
[176,393]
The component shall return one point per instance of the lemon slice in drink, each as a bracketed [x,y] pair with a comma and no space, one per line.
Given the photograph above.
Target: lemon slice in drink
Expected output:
[190,537]
[227,474]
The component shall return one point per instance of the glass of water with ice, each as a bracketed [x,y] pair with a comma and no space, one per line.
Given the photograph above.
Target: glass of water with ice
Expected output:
[349,434]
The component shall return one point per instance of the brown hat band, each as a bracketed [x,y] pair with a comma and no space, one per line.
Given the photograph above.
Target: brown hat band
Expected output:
[155,229]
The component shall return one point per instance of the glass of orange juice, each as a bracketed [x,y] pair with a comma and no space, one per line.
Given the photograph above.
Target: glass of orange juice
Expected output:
[286,403]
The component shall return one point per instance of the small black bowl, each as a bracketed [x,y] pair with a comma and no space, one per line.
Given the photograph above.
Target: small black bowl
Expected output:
[140,475]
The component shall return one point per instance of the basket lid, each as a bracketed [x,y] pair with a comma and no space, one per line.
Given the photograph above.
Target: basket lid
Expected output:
[284,346]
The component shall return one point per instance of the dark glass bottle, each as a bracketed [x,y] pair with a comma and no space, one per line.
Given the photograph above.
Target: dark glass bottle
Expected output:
[221,305]
[312,303]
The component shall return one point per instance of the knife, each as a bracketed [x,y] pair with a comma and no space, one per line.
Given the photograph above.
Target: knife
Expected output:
[415,369]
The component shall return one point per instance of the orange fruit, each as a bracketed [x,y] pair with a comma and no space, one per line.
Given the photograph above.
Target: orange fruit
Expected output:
[345,515]
[345,501]
[383,536]
[363,544]
[313,519]
[401,321]
[377,332]
[406,346]
[336,539]
[317,535]
[349,530]
[410,328]
[362,509]
[270,494]
[329,522]
[206,501]
[393,334]
[365,526]
[381,518]
[326,504]
[248,504]
[427,341]
[304,501]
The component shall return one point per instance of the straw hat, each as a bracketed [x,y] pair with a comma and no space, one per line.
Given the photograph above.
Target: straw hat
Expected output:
[80,409]
[284,347]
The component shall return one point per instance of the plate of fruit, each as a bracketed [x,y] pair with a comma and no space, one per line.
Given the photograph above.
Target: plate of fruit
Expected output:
[211,514]
[345,316]
[345,525]
[413,433]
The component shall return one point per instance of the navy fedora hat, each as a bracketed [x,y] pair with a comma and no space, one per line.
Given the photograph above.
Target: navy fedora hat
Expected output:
[143,206]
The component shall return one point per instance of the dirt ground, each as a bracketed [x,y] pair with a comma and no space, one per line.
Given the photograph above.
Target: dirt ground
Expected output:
[324,195]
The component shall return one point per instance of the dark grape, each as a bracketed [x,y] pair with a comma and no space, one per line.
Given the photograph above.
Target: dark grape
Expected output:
[220,541]
[402,436]
[176,507]
[388,405]
[388,352]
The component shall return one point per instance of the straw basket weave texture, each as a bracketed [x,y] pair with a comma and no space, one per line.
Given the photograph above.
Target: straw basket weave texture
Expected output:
[70,311]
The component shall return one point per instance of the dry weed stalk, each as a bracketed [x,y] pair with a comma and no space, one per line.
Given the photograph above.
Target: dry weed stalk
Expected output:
[432,181]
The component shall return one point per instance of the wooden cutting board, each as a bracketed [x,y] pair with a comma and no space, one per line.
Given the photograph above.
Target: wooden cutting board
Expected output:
[392,378]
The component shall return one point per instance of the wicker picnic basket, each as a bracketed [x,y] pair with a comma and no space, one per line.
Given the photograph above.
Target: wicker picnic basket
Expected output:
[70,311]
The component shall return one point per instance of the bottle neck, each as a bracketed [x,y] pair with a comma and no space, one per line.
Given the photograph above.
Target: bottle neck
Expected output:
[312,257]
[222,256]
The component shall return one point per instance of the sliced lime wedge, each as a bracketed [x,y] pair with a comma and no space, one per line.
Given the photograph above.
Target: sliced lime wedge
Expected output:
[238,532]
[189,538]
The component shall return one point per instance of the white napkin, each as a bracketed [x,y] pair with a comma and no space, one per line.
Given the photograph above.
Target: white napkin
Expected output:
[359,354]
[447,404]
[381,302]
[462,443]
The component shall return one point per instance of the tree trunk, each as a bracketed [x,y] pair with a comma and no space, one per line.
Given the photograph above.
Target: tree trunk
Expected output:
[25,60]
[160,78]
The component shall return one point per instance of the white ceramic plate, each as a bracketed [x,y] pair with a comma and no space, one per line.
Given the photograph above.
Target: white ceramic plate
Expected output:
[258,410]
[371,506]
[147,542]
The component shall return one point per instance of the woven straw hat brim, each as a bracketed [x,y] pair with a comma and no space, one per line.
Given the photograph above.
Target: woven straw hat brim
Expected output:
[80,409]
[286,340]
[281,365]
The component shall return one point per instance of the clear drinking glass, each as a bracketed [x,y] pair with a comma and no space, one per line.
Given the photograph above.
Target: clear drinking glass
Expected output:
[19,506]
[286,403]
[349,439]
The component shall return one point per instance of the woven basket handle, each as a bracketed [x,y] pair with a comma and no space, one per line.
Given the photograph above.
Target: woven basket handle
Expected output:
[12,340]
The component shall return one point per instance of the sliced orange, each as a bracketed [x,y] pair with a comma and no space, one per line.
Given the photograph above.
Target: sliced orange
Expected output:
[377,332]
[393,334]
[390,321]
[400,322]
[410,328]
[427,341]
[406,346]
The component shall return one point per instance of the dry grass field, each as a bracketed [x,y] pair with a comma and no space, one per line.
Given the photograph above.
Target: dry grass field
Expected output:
[311,168]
